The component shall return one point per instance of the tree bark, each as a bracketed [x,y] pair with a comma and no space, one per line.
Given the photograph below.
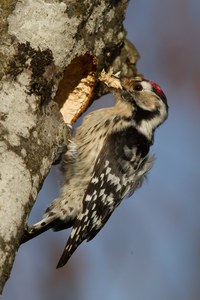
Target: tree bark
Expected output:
[51,53]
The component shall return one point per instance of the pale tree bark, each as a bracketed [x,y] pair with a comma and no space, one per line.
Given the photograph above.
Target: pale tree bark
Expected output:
[51,53]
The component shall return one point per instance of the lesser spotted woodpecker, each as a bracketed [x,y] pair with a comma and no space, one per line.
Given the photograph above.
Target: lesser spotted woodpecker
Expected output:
[112,160]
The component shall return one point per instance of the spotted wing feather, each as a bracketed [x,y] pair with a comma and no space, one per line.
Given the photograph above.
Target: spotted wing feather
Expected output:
[123,158]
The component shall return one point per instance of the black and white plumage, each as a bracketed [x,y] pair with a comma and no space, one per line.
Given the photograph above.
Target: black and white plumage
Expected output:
[111,161]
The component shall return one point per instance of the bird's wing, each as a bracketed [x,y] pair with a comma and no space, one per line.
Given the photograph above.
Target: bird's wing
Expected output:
[113,178]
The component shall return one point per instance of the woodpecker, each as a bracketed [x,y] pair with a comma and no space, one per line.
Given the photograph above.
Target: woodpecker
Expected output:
[105,162]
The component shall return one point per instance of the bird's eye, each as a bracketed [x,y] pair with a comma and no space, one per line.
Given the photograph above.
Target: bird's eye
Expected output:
[138,87]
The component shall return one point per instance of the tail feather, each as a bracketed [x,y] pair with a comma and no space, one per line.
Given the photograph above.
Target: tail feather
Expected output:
[35,230]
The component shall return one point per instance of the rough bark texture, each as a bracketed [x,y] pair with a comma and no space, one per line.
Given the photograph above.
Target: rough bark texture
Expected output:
[42,42]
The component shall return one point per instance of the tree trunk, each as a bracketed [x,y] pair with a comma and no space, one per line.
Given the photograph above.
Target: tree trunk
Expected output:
[51,53]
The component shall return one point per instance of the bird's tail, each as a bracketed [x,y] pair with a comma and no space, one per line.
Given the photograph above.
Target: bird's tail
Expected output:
[36,229]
